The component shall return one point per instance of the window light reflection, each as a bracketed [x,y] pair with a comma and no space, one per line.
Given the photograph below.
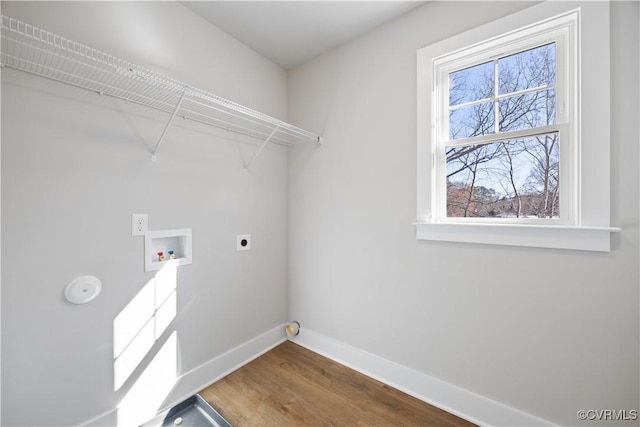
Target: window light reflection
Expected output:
[141,323]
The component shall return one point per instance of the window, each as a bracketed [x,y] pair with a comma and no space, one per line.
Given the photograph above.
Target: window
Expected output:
[502,153]
[499,140]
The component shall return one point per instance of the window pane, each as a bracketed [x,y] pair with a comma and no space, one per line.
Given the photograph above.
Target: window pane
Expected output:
[527,111]
[471,121]
[507,179]
[526,70]
[471,84]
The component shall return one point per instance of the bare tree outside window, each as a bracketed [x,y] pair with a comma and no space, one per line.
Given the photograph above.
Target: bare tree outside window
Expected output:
[513,178]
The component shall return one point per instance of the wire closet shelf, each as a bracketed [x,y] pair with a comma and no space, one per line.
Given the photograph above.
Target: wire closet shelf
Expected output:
[39,52]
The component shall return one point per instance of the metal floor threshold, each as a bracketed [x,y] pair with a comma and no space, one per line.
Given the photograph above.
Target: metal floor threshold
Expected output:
[193,412]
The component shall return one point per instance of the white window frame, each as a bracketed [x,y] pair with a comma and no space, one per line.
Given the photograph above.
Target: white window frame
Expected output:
[582,119]
[562,32]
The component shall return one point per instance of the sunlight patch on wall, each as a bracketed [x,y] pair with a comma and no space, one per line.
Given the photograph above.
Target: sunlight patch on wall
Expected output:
[141,323]
[156,382]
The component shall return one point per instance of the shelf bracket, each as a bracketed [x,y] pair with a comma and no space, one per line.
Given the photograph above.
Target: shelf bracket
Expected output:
[166,128]
[264,144]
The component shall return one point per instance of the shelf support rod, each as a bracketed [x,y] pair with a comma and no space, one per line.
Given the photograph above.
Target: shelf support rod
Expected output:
[264,144]
[166,128]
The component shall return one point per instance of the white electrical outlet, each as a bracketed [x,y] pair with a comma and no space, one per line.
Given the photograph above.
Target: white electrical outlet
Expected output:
[244,242]
[139,224]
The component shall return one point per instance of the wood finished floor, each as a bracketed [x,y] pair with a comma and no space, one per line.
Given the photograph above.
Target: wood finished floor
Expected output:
[292,386]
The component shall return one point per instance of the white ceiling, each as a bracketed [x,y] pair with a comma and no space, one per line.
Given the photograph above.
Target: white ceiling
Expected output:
[292,32]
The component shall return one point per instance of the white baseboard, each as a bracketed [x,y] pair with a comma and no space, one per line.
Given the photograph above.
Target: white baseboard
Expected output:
[458,401]
[202,376]
[463,403]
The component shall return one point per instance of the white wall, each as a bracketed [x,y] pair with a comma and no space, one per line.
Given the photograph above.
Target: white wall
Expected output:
[75,166]
[547,332]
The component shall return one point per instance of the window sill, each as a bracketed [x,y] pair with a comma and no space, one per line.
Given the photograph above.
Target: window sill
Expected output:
[540,236]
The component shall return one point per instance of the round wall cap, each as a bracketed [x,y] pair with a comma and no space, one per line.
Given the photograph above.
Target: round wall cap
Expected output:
[82,289]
